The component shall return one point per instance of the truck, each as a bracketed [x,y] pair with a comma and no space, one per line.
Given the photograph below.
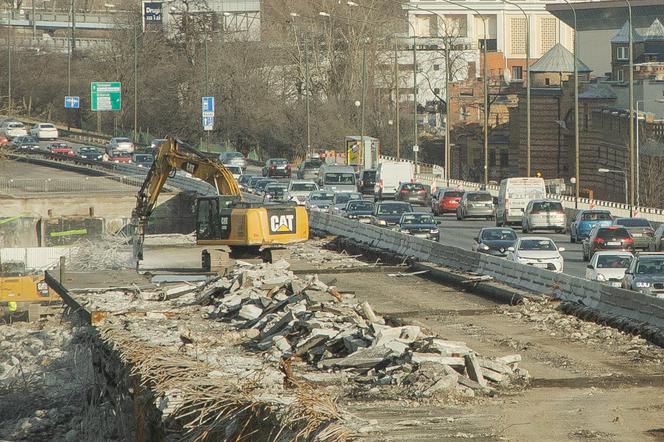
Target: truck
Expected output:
[388,177]
[362,157]
[513,197]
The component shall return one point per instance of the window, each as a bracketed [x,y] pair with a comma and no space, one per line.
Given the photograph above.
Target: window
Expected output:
[619,75]
[547,81]
[622,53]
[518,38]
[504,158]
[491,44]
[453,26]
[548,33]
[492,158]
[436,67]
[517,73]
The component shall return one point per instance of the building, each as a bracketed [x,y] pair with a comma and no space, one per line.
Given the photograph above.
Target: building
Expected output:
[648,51]
[234,20]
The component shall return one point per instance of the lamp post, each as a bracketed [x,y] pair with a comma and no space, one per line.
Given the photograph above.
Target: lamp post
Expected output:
[528,145]
[306,87]
[576,111]
[624,174]
[632,164]
[9,62]
[638,169]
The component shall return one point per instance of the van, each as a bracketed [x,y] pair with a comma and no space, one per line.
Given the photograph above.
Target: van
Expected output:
[388,178]
[513,197]
[337,178]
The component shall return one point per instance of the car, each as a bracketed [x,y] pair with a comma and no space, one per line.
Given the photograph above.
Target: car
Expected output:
[154,144]
[89,153]
[420,225]
[537,251]
[340,199]
[359,209]
[585,220]
[308,169]
[119,156]
[252,181]
[513,197]
[60,148]
[494,240]
[233,159]
[12,128]
[366,183]
[544,214]
[475,204]
[143,160]
[337,178]
[319,200]
[24,142]
[608,267]
[243,182]
[447,201]
[607,238]
[275,191]
[646,274]
[277,167]
[414,193]
[388,177]
[388,213]
[299,190]
[657,245]
[259,187]
[44,131]
[236,171]
[640,229]
[4,141]
[120,144]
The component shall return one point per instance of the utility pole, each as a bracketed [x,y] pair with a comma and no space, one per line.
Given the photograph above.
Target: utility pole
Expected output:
[73,26]
[396,99]
[632,162]
[415,102]
[135,85]
[307,104]
[9,62]
[360,154]
[448,166]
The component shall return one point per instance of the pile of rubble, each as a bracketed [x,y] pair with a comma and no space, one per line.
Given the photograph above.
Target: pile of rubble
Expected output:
[107,253]
[296,319]
[314,252]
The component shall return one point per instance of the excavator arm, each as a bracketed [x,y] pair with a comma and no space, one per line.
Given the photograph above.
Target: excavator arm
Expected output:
[173,155]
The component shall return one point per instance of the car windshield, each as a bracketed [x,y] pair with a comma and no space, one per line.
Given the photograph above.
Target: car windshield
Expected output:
[122,140]
[342,198]
[143,158]
[88,150]
[278,162]
[392,209]
[417,218]
[119,153]
[479,197]
[613,261]
[312,164]
[230,155]
[608,233]
[596,216]
[412,186]
[274,189]
[46,126]
[360,205]
[650,267]
[303,187]
[59,146]
[339,178]
[537,244]
[321,196]
[369,175]
[499,235]
[547,206]
[15,125]
[29,139]
[454,194]
[633,222]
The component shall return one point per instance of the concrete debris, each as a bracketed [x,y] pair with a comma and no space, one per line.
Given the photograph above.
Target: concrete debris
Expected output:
[314,252]
[107,253]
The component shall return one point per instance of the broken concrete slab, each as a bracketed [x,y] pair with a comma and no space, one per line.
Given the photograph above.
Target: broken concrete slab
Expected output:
[370,315]
[495,366]
[509,359]
[250,312]
[362,358]
[492,375]
[449,348]
[474,369]
[419,358]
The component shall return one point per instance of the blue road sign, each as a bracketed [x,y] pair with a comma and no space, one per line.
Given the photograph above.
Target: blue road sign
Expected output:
[208,123]
[207,106]
[72,102]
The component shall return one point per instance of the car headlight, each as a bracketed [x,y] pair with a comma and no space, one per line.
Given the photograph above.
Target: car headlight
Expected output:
[484,247]
[601,277]
[382,222]
[351,216]
[434,231]
[404,230]
[642,284]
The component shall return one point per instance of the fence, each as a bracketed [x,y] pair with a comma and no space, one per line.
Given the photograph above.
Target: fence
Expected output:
[111,184]
[36,258]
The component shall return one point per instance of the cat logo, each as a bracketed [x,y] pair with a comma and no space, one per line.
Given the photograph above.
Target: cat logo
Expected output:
[282,222]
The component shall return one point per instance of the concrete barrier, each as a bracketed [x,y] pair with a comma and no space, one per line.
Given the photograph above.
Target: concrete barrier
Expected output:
[605,299]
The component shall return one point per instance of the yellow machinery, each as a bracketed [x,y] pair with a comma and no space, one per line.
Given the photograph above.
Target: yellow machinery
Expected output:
[222,220]
[19,286]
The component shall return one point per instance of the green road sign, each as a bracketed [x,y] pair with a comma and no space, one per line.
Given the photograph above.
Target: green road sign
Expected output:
[105,96]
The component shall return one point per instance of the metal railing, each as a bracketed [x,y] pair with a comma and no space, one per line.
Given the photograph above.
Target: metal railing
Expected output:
[84,185]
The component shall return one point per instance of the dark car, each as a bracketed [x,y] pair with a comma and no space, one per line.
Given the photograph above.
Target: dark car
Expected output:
[143,160]
[308,169]
[640,229]
[275,192]
[584,222]
[447,201]
[388,213]
[420,225]
[252,181]
[89,153]
[360,210]
[494,240]
[24,142]
[277,167]
[366,182]
[657,244]
[243,181]
[340,201]
[259,187]
[414,193]
[607,238]
[646,274]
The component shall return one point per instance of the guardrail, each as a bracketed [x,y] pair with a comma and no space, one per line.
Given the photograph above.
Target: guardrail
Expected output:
[637,307]
[84,184]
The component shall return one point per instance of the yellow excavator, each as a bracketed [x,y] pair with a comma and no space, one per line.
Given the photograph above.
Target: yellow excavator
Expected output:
[225,222]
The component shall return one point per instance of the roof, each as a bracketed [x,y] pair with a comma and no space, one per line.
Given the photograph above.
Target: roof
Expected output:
[623,35]
[558,59]
[655,31]
[607,15]
[598,92]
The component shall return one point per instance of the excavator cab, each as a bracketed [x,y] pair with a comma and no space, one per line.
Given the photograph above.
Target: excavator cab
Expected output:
[213,217]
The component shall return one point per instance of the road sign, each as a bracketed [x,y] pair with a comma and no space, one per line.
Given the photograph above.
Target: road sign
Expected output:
[153,14]
[105,96]
[72,102]
[208,123]
[416,148]
[207,106]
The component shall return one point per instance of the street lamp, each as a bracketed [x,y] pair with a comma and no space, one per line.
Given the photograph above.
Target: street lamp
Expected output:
[618,171]
[631,105]
[9,63]
[306,86]
[638,170]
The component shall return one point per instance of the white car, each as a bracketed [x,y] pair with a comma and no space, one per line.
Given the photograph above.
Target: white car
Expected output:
[44,131]
[121,144]
[537,251]
[13,129]
[608,266]
[235,170]
[298,191]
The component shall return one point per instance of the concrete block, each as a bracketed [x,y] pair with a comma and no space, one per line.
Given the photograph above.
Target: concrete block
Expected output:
[474,369]
[418,358]
[509,359]
[250,312]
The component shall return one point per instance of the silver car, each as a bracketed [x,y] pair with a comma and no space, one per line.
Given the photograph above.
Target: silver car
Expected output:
[120,144]
[544,214]
[233,159]
[476,204]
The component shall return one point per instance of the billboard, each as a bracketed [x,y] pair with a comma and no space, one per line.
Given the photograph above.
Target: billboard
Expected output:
[153,15]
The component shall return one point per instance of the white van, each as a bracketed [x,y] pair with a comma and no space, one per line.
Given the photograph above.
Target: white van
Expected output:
[337,178]
[388,177]
[513,197]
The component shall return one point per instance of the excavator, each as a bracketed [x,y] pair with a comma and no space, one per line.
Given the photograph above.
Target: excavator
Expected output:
[230,226]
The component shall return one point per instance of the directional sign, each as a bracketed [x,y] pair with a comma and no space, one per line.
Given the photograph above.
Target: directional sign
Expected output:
[207,106]
[72,102]
[105,96]
[416,148]
[208,123]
